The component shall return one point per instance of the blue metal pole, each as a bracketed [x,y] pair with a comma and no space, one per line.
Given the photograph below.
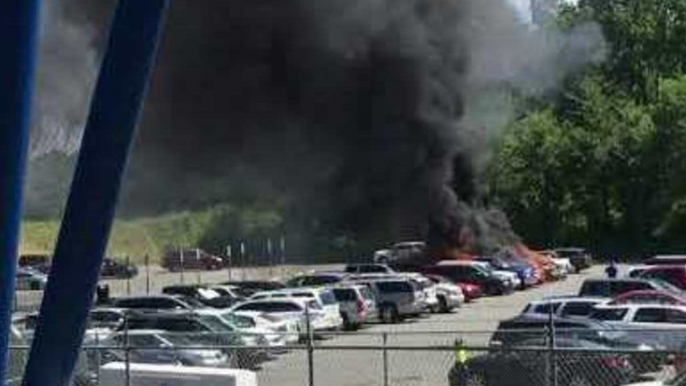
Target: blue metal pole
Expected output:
[88,217]
[18,31]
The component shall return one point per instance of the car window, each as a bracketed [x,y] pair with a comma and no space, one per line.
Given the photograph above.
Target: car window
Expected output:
[281,307]
[394,286]
[609,314]
[319,280]
[240,321]
[302,294]
[142,341]
[216,323]
[650,315]
[367,293]
[344,294]
[253,307]
[104,316]
[372,269]
[180,325]
[675,316]
[577,308]
[594,288]
[546,308]
[327,298]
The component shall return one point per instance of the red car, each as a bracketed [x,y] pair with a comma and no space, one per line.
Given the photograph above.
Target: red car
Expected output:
[672,274]
[470,291]
[648,297]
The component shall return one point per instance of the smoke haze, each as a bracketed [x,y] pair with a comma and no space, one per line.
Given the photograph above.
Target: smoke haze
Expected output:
[371,115]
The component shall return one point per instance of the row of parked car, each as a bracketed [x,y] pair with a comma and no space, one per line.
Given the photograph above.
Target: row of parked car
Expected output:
[642,314]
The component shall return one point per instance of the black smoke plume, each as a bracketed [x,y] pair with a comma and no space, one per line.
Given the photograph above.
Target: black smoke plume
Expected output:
[362,117]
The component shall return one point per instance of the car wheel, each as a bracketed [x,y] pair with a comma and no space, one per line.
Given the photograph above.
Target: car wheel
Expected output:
[347,325]
[389,313]
[443,305]
[579,380]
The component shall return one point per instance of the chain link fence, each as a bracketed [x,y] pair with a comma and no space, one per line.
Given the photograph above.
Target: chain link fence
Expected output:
[384,359]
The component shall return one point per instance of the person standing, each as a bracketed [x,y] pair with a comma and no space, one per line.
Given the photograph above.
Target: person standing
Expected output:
[611,270]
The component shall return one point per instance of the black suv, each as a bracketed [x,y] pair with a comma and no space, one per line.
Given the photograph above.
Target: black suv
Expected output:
[114,269]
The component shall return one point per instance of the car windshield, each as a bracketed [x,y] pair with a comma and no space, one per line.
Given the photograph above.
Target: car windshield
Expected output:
[180,339]
[215,323]
[239,321]
[666,286]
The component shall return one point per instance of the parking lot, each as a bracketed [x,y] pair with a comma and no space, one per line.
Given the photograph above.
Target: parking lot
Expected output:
[473,323]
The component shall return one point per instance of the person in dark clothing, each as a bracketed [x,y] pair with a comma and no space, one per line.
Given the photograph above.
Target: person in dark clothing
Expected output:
[611,270]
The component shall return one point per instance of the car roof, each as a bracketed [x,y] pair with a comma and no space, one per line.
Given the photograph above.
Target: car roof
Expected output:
[668,257]
[538,318]
[455,262]
[663,267]
[571,298]
[617,280]
[570,249]
[638,305]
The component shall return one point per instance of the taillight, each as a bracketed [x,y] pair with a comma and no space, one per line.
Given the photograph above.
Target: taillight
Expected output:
[361,307]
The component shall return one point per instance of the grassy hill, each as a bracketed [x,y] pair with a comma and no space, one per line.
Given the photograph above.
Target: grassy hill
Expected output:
[134,238]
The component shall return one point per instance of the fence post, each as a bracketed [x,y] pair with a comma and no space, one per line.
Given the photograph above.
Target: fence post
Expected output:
[128,276]
[551,360]
[127,352]
[229,252]
[181,263]
[310,346]
[197,258]
[147,274]
[385,359]
[98,360]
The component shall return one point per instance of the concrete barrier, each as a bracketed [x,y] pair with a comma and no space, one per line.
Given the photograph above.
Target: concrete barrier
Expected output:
[114,374]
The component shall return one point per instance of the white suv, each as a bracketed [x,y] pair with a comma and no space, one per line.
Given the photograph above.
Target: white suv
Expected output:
[323,296]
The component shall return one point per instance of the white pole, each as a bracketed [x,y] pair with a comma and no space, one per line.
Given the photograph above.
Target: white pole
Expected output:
[270,260]
[197,261]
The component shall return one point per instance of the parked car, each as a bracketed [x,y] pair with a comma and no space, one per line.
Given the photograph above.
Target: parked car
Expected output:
[471,291]
[203,329]
[401,252]
[34,259]
[648,297]
[324,297]
[563,263]
[636,270]
[29,280]
[529,366]
[654,324]
[579,257]
[427,287]
[247,288]
[666,260]
[467,273]
[316,279]
[252,336]
[288,328]
[153,346]
[368,268]
[228,291]
[616,287]
[524,272]
[114,269]
[566,306]
[191,259]
[672,274]
[357,305]
[203,294]
[512,278]
[285,309]
[449,294]
[396,298]
[157,302]
[107,318]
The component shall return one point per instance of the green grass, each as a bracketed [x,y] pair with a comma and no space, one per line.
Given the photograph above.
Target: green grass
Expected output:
[134,238]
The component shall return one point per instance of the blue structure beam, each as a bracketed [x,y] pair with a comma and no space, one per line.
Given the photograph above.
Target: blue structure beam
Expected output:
[88,217]
[18,31]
